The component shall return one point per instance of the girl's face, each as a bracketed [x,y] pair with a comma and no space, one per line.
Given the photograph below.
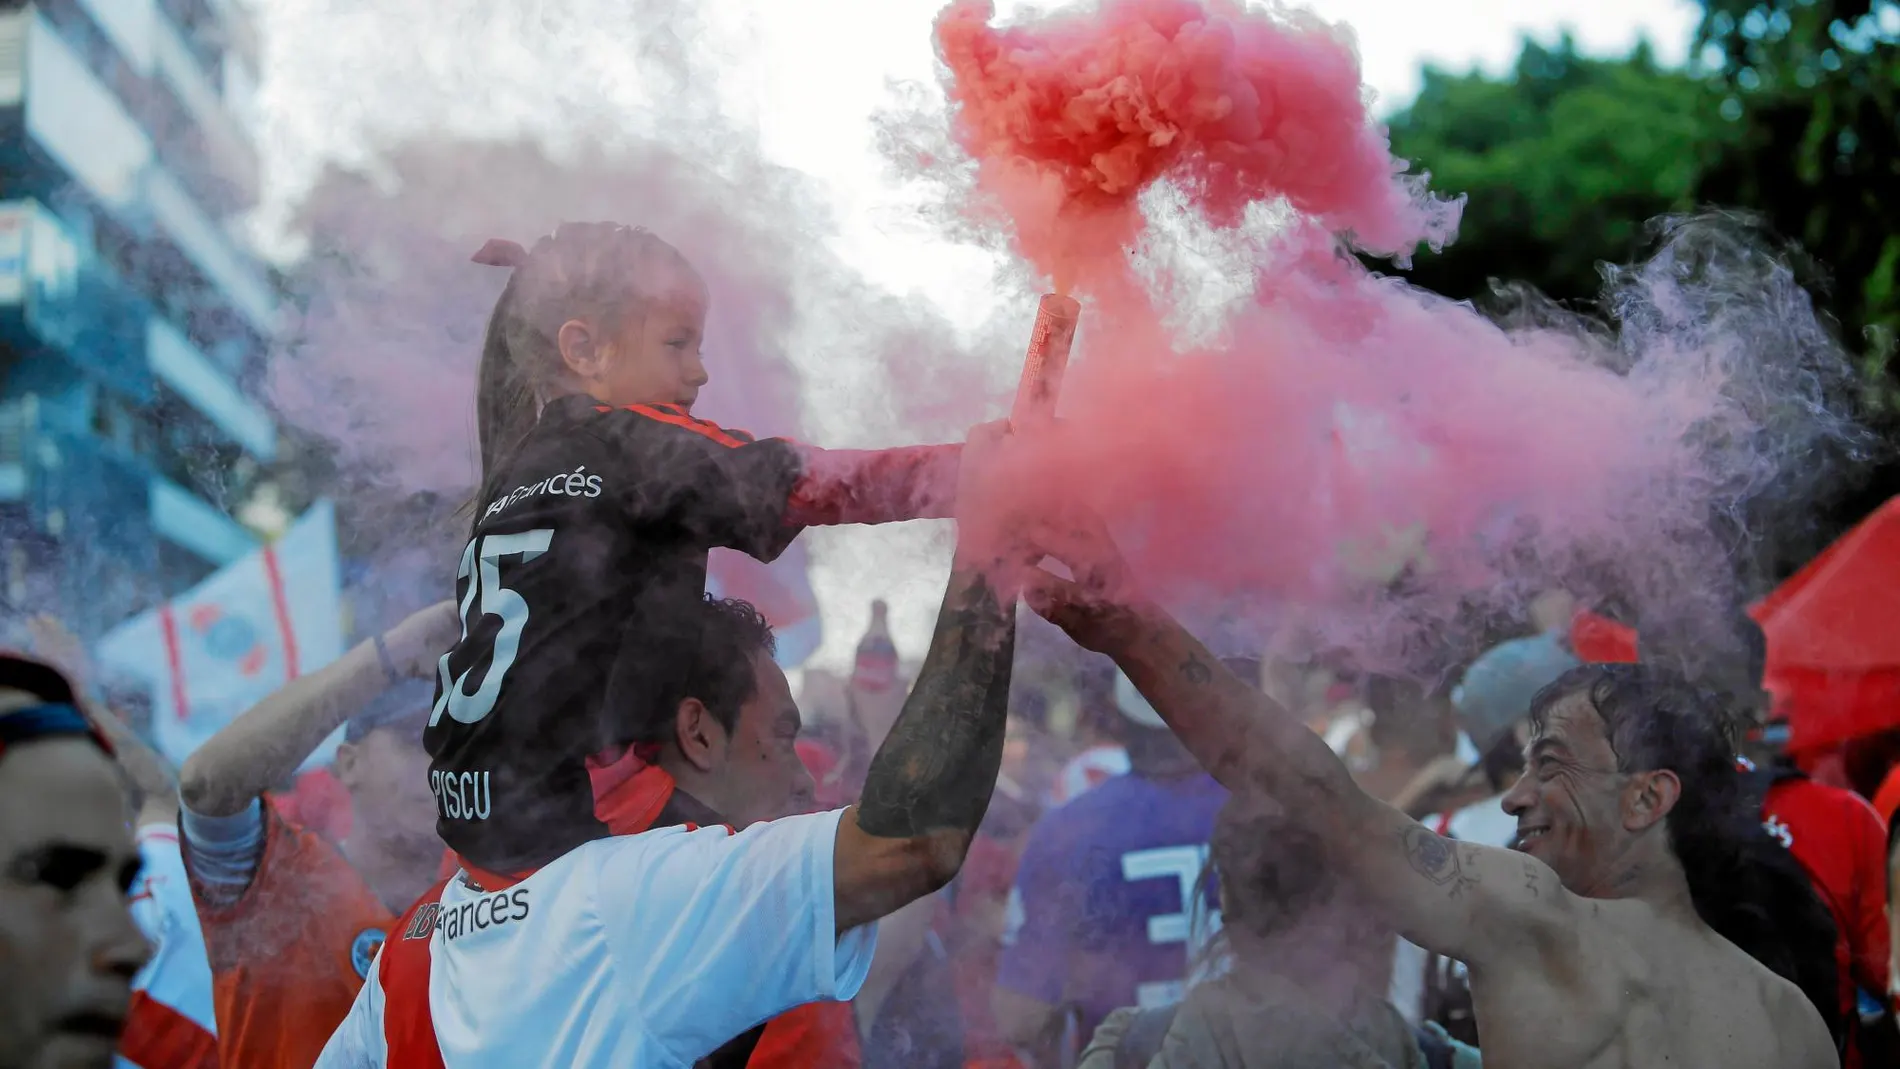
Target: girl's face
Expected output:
[654,359]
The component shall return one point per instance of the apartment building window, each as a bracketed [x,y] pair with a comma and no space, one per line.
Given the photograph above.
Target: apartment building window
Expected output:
[113,421]
[176,133]
[97,52]
[166,277]
[159,272]
[196,455]
[203,32]
[227,337]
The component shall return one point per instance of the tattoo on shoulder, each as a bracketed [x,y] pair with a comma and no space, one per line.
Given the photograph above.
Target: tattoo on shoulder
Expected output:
[1437,859]
[1530,878]
[1195,671]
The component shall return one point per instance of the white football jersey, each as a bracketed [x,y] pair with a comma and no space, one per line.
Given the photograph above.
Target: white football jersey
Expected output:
[649,950]
[174,987]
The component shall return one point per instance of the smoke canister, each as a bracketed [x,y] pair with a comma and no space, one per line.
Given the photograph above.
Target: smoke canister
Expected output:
[1046,360]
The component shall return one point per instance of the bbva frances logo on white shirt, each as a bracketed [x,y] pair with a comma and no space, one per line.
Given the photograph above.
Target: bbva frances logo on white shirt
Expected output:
[475,915]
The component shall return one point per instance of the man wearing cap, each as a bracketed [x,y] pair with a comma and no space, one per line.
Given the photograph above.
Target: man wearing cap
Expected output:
[68,945]
[292,921]
[1102,908]
[1493,704]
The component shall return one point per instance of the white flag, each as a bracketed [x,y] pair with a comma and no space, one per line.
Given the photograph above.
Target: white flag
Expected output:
[216,650]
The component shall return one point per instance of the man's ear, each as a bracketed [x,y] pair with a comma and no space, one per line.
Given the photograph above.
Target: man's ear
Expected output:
[700,736]
[581,349]
[1654,796]
[346,764]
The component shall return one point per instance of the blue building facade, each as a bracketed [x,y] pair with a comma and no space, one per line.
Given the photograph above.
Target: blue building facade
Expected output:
[132,322]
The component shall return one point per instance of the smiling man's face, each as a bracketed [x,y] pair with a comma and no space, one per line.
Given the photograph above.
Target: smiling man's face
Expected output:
[1569,803]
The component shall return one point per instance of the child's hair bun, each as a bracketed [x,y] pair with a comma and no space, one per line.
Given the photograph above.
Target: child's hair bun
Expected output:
[500,252]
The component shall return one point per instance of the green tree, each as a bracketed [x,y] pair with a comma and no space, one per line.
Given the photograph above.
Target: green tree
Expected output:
[1788,110]
[1810,88]
[1563,161]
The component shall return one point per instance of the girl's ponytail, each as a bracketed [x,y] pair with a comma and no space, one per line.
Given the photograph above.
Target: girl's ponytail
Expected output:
[504,401]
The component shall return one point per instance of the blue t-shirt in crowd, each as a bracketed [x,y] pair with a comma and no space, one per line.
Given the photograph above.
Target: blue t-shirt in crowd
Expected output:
[1102,908]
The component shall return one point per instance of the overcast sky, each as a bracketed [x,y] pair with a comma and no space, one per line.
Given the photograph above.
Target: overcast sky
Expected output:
[807,75]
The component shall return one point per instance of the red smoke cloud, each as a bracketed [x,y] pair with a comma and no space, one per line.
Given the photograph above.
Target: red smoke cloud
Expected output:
[1349,451]
[1072,117]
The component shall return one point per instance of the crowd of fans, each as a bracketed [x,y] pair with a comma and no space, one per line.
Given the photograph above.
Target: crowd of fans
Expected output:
[1117,907]
[1103,846]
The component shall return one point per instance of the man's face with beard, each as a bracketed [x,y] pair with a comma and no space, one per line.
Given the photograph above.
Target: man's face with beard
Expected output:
[387,775]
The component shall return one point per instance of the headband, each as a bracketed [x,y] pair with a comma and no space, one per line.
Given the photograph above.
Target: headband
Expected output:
[55,721]
[57,715]
[37,678]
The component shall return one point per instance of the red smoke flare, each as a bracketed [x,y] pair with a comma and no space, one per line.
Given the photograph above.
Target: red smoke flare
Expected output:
[1346,456]
[1072,116]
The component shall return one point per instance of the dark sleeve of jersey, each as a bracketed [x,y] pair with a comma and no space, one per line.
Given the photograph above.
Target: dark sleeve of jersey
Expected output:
[718,488]
[875,486]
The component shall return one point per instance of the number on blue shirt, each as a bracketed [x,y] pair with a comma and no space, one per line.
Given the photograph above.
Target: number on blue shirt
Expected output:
[1184,864]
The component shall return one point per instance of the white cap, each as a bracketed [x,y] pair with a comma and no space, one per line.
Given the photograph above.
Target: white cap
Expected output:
[1497,689]
[1133,705]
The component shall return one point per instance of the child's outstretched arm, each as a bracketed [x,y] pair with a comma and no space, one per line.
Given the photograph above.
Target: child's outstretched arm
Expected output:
[722,487]
[838,486]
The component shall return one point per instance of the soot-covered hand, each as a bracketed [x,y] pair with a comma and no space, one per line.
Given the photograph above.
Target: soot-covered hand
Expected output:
[1100,590]
[993,520]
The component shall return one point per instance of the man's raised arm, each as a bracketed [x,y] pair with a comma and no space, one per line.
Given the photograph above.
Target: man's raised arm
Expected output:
[930,783]
[263,746]
[154,781]
[1430,888]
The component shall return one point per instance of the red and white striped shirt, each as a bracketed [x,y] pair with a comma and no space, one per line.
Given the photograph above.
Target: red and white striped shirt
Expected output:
[170,1024]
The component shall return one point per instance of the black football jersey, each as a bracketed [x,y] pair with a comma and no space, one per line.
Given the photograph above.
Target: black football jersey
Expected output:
[595,547]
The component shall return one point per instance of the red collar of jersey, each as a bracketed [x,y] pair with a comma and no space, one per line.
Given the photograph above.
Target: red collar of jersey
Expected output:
[629,793]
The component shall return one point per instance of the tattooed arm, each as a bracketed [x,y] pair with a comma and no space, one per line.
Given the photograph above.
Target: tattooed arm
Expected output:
[929,784]
[1454,898]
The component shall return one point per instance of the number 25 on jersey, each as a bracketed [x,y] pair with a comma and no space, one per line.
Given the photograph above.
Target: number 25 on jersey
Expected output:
[486,596]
